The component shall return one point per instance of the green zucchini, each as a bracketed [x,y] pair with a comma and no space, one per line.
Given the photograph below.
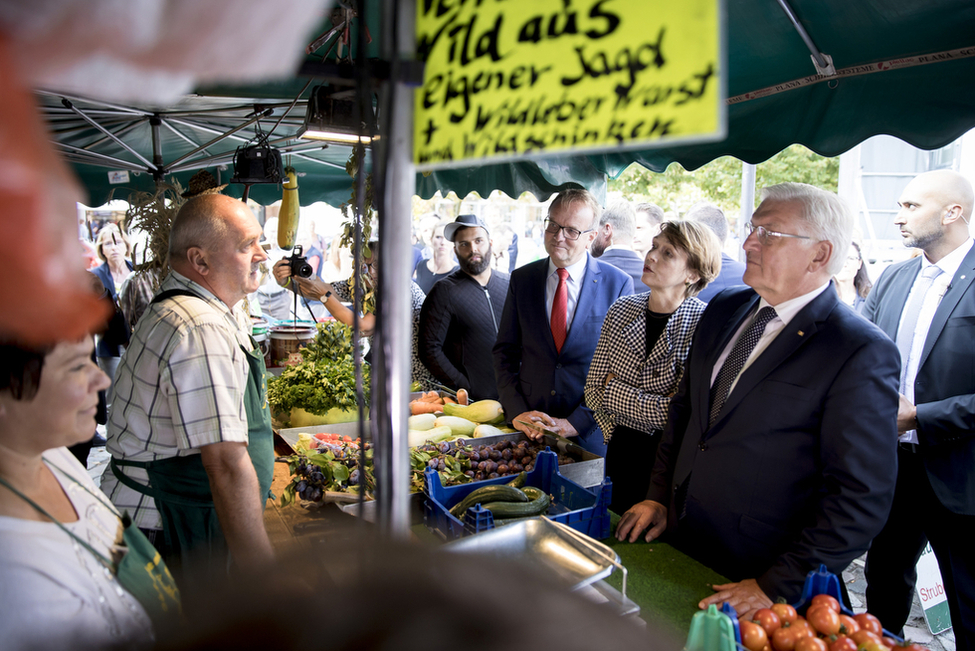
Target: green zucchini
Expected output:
[506,510]
[498,494]
[519,481]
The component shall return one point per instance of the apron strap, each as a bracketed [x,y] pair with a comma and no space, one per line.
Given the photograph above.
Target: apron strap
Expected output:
[150,491]
[104,561]
[170,293]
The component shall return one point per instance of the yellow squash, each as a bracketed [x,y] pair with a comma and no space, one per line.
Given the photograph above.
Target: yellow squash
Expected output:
[290,210]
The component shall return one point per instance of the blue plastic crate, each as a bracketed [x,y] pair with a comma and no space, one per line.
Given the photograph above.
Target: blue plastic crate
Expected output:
[583,509]
[822,581]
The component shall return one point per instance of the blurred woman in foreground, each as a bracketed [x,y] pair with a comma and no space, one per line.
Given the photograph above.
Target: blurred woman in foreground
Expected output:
[73,575]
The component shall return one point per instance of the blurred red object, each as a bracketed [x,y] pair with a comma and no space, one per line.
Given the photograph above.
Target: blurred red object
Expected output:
[46,294]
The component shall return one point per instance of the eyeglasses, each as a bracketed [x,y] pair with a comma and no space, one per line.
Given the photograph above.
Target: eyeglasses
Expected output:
[763,234]
[553,228]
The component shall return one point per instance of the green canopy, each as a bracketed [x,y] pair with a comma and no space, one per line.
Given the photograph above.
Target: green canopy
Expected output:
[879,90]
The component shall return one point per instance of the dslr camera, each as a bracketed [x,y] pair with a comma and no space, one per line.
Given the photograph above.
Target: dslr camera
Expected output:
[299,264]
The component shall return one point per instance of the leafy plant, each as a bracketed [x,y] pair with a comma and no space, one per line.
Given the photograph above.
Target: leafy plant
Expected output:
[325,379]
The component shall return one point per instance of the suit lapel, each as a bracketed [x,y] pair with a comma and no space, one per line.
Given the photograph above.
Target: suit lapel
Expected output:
[731,326]
[900,289]
[958,288]
[800,329]
[535,289]
[588,287]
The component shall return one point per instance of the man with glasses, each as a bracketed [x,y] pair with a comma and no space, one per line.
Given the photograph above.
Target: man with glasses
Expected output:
[927,305]
[779,453]
[550,325]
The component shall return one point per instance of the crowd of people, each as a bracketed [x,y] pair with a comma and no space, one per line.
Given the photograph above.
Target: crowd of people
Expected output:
[766,416]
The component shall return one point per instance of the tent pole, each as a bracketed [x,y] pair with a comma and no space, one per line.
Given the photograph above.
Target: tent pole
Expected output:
[822,65]
[395,176]
[263,114]
[67,104]
[747,203]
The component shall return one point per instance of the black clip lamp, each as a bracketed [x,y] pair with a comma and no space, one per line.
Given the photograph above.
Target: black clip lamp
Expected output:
[332,119]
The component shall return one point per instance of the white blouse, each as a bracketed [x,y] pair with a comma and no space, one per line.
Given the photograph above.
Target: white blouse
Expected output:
[53,592]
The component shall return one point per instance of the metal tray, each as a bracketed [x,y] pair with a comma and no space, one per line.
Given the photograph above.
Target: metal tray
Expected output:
[572,556]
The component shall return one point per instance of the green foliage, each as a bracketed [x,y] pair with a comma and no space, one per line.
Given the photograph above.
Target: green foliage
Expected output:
[719,182]
[325,379]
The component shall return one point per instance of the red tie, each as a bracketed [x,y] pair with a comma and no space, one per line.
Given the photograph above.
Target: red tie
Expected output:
[559,310]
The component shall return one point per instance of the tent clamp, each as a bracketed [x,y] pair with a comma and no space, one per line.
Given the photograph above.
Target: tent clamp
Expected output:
[829,70]
[822,62]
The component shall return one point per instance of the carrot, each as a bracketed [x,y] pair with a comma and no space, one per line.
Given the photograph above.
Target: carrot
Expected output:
[447,400]
[420,407]
[430,399]
[462,398]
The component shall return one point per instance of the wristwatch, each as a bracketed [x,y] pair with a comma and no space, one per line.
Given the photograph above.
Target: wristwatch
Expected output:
[324,297]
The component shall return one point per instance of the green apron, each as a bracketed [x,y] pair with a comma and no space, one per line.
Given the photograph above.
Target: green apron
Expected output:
[141,571]
[181,488]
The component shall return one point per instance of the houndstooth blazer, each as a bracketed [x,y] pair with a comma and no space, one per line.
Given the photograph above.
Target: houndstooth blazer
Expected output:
[639,394]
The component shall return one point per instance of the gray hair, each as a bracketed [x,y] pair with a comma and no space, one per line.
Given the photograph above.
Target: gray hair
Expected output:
[622,218]
[569,196]
[828,217]
[711,216]
[199,223]
[654,212]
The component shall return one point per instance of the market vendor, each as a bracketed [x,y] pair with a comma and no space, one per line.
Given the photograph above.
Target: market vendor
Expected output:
[779,452]
[73,574]
[336,296]
[190,430]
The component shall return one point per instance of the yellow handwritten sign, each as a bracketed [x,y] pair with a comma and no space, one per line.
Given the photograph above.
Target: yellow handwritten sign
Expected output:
[505,79]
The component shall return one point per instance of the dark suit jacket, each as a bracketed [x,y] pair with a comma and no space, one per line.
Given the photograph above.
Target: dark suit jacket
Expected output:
[944,389]
[799,469]
[530,373]
[630,262]
[117,330]
[730,276]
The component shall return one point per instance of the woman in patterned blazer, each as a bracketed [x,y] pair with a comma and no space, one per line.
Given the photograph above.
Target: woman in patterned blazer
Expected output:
[641,351]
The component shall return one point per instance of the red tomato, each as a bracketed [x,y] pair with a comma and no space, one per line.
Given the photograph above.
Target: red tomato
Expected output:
[321,436]
[823,619]
[843,643]
[785,638]
[753,636]
[870,623]
[863,636]
[785,612]
[346,438]
[848,625]
[825,599]
[811,644]
[767,619]
[890,642]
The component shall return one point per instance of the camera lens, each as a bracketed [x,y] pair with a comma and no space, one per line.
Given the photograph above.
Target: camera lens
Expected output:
[303,270]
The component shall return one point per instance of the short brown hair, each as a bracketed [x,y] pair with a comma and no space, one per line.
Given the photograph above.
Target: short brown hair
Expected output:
[701,246]
[569,196]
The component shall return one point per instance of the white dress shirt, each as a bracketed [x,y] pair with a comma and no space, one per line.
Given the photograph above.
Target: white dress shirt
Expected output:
[949,266]
[784,313]
[573,284]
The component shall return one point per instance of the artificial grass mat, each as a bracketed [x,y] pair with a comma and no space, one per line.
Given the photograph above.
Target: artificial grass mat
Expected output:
[665,583]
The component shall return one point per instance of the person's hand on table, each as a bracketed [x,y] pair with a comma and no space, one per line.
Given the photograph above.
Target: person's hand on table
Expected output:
[639,517]
[745,596]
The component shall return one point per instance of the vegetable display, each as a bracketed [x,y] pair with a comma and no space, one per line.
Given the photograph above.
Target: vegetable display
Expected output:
[327,463]
[823,628]
[325,378]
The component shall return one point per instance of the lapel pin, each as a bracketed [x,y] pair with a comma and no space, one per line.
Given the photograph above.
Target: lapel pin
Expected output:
[801,333]
[962,278]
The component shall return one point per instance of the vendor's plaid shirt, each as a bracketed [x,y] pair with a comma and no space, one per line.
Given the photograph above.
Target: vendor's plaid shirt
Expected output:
[639,394]
[179,386]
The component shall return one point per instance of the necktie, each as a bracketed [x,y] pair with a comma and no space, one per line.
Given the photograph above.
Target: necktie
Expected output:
[736,360]
[905,334]
[560,306]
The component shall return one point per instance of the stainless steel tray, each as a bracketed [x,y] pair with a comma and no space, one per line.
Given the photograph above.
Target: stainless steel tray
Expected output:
[573,556]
